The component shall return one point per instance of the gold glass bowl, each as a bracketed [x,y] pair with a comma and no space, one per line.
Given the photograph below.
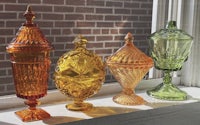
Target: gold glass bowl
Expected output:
[79,74]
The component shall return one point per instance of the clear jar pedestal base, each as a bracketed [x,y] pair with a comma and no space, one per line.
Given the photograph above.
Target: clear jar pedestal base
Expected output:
[167,90]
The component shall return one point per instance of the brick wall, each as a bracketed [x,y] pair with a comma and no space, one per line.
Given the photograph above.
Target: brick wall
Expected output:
[103,22]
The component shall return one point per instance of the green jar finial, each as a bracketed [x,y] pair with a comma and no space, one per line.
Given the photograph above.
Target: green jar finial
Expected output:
[171,25]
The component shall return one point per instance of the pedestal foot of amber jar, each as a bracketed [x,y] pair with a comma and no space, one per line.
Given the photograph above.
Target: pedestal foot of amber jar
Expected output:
[79,106]
[32,113]
[167,92]
[128,99]
[28,115]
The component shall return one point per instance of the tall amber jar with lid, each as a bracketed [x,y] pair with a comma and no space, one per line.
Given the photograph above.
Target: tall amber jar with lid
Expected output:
[30,58]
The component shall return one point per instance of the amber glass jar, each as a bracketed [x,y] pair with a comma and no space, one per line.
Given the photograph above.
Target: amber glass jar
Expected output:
[29,54]
[129,65]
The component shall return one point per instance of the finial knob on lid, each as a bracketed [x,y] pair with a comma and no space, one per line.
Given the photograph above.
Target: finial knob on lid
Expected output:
[129,38]
[80,41]
[29,15]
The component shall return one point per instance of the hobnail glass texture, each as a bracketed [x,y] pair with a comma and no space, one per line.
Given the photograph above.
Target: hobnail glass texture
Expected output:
[129,65]
[79,74]
[169,48]
[29,54]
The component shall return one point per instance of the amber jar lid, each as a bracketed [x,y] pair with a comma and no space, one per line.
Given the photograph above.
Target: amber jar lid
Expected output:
[29,37]
[130,55]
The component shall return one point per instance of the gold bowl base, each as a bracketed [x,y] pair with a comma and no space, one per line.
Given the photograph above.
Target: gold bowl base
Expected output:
[79,107]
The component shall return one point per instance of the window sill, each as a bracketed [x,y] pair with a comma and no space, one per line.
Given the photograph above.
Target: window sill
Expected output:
[104,106]
[6,102]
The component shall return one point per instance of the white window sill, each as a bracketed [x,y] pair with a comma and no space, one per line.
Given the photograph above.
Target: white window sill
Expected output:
[6,102]
[104,106]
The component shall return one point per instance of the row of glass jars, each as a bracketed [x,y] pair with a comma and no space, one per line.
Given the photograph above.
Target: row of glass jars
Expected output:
[80,73]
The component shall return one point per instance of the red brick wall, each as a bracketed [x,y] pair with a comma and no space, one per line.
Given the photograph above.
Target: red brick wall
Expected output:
[103,22]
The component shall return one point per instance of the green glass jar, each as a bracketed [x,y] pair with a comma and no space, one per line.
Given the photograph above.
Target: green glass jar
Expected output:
[169,49]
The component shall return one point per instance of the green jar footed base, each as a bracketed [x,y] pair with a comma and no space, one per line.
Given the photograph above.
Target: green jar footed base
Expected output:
[167,92]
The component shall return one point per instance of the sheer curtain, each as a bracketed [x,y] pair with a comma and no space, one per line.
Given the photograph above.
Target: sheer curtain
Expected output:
[190,74]
[187,15]
[159,16]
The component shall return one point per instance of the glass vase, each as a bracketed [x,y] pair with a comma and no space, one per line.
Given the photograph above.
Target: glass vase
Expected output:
[30,57]
[170,48]
[129,65]
[79,74]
